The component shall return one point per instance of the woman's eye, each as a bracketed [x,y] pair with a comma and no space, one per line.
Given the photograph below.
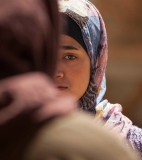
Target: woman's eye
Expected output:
[70,57]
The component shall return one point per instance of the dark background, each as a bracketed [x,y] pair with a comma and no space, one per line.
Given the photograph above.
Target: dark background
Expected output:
[123,19]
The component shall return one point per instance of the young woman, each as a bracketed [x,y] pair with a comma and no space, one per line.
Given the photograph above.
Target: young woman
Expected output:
[82,65]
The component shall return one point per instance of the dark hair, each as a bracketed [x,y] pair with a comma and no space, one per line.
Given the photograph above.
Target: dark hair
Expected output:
[29,32]
[29,35]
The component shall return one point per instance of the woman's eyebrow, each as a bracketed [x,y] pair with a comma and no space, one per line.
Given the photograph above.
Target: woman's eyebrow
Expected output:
[68,47]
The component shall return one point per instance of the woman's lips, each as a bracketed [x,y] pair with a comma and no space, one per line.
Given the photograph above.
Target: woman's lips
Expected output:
[61,88]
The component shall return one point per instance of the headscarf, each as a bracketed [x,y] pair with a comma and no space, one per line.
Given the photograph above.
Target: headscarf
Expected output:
[92,26]
[72,29]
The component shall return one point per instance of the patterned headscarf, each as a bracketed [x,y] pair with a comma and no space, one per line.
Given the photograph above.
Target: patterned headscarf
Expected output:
[92,26]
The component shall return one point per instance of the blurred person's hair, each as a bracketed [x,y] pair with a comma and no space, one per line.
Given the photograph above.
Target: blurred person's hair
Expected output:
[28,36]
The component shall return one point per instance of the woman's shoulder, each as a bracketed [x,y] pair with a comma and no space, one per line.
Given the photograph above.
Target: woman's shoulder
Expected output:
[113,117]
[115,120]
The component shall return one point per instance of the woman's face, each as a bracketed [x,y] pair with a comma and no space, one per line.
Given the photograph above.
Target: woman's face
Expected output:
[73,68]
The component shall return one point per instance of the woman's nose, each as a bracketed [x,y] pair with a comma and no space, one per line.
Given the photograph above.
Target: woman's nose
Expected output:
[58,74]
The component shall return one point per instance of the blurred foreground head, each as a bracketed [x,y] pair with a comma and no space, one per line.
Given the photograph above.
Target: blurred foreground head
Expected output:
[28,31]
